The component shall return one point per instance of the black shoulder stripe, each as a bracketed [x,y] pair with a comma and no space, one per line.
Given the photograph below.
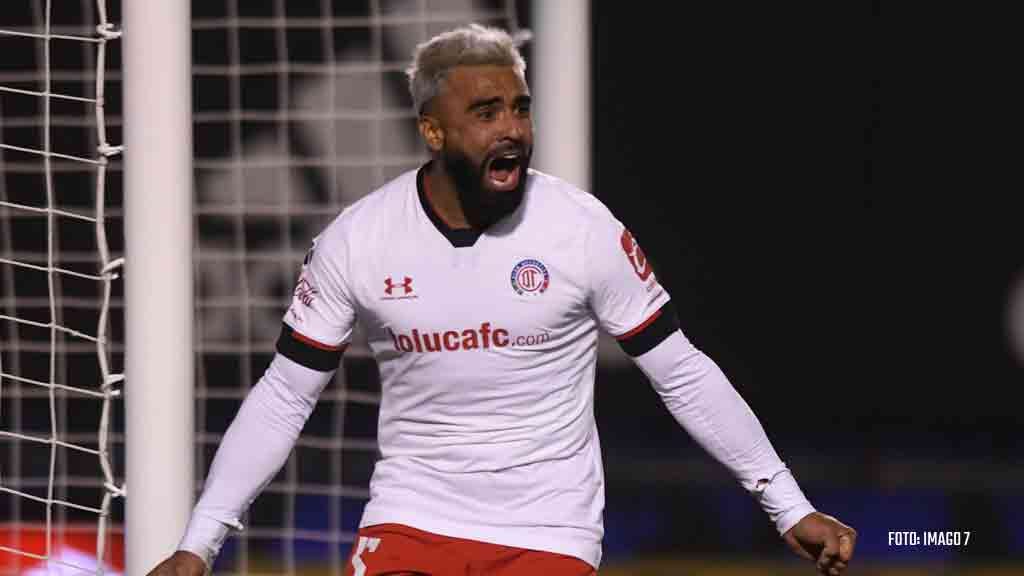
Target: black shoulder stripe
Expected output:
[308,352]
[651,332]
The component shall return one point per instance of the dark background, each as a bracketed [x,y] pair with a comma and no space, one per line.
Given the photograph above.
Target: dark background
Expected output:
[866,328]
[829,300]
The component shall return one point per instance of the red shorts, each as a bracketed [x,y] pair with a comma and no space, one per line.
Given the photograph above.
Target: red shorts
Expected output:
[399,550]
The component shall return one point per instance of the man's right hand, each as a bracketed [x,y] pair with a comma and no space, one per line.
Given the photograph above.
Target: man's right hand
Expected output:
[181,563]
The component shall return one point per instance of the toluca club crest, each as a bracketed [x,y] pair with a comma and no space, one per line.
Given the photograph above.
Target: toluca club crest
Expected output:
[530,277]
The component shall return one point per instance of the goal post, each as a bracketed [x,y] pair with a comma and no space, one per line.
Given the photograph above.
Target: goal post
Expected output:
[561,86]
[159,308]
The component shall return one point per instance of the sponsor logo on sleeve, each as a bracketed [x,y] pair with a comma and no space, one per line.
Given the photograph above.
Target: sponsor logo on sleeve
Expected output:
[305,292]
[636,256]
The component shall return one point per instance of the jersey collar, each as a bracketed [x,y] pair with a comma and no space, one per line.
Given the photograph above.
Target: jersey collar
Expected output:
[458,237]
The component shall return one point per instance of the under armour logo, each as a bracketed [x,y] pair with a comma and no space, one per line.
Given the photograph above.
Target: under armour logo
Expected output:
[390,285]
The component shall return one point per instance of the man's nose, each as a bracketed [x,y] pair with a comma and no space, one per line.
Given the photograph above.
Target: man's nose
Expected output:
[515,127]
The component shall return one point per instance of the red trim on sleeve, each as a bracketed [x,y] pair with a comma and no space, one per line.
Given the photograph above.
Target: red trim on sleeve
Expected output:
[641,327]
[319,346]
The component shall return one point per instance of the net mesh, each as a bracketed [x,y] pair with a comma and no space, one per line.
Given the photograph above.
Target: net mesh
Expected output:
[300,108]
[58,292]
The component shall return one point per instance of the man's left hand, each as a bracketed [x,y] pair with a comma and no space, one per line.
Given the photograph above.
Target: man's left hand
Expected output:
[822,539]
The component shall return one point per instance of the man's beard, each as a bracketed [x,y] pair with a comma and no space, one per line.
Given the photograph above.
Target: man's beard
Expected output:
[481,205]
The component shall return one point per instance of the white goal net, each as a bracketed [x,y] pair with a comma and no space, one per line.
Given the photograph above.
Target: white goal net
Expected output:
[59,295]
[299,108]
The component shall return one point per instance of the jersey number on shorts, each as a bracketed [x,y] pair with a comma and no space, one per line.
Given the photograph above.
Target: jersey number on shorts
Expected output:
[365,544]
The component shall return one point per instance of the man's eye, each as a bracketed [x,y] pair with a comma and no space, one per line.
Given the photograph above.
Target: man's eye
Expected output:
[486,114]
[523,109]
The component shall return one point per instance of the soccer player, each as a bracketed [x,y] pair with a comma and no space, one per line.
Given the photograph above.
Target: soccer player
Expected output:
[482,285]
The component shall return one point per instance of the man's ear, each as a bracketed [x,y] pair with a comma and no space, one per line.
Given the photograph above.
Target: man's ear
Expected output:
[431,131]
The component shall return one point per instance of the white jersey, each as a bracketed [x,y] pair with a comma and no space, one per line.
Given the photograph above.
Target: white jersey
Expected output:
[487,348]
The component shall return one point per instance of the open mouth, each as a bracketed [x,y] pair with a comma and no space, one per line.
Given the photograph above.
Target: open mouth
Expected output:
[505,170]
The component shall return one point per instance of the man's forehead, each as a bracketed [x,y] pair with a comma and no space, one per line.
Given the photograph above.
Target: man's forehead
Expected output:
[471,81]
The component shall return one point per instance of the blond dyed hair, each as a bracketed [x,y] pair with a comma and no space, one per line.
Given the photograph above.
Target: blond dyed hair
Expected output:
[472,45]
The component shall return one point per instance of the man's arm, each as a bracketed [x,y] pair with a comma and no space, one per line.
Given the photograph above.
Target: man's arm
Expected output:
[631,304]
[703,401]
[255,446]
[315,332]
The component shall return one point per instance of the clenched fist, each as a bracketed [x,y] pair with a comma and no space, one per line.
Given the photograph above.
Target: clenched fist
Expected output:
[823,540]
